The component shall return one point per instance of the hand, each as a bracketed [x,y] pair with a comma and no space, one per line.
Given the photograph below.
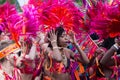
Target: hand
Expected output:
[38,39]
[72,37]
[116,46]
[52,36]
[35,40]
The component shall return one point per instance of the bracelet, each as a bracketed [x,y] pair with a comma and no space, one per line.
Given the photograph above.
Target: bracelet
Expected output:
[55,47]
[35,43]
[77,45]
[53,41]
[116,46]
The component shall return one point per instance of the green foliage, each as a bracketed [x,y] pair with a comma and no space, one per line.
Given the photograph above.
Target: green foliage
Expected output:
[12,1]
[79,2]
[2,1]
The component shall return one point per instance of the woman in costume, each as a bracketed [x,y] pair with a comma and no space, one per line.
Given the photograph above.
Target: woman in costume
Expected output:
[104,65]
[58,63]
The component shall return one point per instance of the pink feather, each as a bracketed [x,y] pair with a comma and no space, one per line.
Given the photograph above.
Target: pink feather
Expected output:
[61,12]
[9,17]
[6,10]
[30,19]
[104,19]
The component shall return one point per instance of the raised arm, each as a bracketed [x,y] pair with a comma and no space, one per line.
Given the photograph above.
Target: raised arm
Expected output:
[110,52]
[83,57]
[108,55]
[54,47]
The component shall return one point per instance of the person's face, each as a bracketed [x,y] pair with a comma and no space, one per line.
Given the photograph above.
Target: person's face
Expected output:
[63,39]
[118,40]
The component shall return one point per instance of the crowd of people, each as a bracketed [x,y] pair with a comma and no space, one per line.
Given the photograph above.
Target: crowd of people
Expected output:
[58,40]
[48,57]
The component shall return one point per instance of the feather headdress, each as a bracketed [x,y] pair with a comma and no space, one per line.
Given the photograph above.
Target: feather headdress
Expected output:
[9,17]
[104,18]
[30,20]
[61,12]
[6,10]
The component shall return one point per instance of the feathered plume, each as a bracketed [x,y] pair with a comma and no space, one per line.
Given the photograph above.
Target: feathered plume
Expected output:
[6,10]
[30,20]
[61,12]
[8,19]
[14,27]
[104,18]
[36,3]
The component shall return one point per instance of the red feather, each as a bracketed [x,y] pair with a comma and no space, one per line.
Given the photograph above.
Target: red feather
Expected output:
[64,13]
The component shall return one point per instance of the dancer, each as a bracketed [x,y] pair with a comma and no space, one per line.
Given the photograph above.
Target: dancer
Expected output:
[58,63]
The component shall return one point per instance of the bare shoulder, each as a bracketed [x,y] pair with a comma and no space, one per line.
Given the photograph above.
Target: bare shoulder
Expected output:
[49,52]
[69,50]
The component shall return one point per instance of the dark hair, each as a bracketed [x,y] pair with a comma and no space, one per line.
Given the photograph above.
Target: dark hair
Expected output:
[94,36]
[59,30]
[108,42]
[117,37]
[0,32]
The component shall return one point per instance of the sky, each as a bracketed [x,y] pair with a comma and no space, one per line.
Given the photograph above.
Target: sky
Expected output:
[22,2]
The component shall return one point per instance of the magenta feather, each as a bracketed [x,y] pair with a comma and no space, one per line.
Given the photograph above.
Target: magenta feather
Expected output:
[30,17]
[104,19]
[9,17]
[6,10]
[61,12]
